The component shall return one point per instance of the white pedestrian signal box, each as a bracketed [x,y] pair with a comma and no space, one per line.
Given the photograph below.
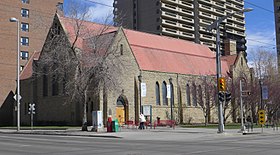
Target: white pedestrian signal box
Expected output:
[31,109]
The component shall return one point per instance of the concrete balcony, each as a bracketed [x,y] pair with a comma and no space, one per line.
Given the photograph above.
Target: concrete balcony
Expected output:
[239,2]
[169,31]
[229,30]
[207,15]
[230,25]
[185,5]
[187,27]
[240,33]
[170,1]
[239,15]
[205,8]
[230,5]
[170,23]
[239,21]
[186,19]
[219,4]
[220,0]
[209,44]
[219,12]
[239,28]
[209,2]
[205,22]
[169,15]
[239,7]
[169,7]
[186,12]
[186,35]
[229,11]
[207,37]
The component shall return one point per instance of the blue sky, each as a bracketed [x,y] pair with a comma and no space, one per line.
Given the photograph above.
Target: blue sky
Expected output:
[260,26]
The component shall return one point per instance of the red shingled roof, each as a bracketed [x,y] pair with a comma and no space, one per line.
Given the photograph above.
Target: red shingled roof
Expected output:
[230,59]
[152,52]
[86,30]
[166,54]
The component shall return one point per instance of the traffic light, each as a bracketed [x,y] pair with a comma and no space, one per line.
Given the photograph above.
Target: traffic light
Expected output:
[228,96]
[31,109]
[261,117]
[222,84]
[221,96]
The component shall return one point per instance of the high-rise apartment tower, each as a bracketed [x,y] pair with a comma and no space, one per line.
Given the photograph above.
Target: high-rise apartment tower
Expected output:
[185,19]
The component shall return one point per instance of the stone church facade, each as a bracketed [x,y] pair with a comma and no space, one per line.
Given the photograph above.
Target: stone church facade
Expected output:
[189,70]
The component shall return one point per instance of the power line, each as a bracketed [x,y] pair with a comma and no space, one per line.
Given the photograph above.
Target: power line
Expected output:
[99,3]
[261,42]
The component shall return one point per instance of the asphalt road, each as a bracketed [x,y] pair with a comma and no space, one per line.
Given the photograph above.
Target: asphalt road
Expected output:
[28,144]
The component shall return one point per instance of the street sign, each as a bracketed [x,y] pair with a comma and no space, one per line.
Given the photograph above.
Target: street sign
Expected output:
[246,93]
[143,90]
[264,92]
[147,110]
[261,114]
[15,97]
[168,91]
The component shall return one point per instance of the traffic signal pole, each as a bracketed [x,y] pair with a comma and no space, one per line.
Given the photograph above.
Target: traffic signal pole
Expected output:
[219,70]
[241,108]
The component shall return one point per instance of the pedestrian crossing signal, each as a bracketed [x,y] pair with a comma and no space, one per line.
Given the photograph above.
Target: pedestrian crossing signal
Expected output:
[222,84]
[221,96]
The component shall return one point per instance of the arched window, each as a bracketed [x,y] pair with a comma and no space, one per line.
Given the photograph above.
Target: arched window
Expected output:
[164,94]
[157,94]
[194,95]
[200,100]
[188,95]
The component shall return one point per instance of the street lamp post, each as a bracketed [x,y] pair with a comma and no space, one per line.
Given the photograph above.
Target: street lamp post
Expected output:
[140,80]
[215,25]
[13,19]
[261,83]
[241,108]
[171,99]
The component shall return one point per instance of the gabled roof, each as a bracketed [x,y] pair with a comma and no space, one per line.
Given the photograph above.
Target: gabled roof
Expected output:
[230,59]
[87,29]
[152,52]
[166,54]
[28,68]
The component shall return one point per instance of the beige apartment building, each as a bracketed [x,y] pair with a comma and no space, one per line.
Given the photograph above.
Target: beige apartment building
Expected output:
[277,27]
[35,18]
[186,19]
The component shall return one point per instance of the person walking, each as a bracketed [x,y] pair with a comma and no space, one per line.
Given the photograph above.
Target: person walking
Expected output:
[142,121]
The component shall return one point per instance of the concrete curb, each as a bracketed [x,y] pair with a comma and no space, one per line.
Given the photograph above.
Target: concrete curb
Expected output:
[63,133]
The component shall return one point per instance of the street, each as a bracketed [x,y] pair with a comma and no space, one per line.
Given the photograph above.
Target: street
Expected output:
[142,143]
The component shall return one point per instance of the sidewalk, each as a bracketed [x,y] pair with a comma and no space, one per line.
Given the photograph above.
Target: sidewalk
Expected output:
[158,133]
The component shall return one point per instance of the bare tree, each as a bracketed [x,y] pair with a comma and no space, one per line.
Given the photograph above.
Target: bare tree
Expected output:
[84,59]
[265,65]
[209,95]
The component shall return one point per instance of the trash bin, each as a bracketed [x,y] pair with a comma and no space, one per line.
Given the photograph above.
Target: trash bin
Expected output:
[113,126]
[116,124]
[109,125]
